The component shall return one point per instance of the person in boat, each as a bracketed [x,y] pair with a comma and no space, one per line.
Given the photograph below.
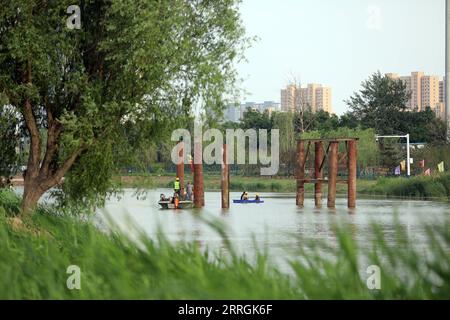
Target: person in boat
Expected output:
[176,200]
[257,198]
[176,186]
[189,189]
[244,195]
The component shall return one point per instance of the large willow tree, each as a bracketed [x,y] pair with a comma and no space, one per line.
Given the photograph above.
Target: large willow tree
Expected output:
[147,62]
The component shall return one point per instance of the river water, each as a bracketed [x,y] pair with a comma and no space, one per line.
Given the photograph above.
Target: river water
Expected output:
[276,225]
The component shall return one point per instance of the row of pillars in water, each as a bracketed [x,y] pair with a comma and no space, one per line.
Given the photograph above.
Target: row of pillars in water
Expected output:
[325,151]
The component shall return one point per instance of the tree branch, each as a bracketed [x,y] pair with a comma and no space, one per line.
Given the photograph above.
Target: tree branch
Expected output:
[59,174]
[53,133]
[30,121]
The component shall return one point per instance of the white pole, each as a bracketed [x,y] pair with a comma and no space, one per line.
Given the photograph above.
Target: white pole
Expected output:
[447,67]
[408,156]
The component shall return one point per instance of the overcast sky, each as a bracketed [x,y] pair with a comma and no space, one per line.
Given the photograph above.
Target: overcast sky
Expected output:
[339,43]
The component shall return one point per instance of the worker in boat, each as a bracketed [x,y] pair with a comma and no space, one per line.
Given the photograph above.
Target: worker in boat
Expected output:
[176,186]
[189,188]
[176,200]
[244,195]
[257,198]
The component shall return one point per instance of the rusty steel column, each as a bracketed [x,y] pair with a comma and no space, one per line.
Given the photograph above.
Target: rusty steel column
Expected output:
[318,173]
[199,192]
[351,164]
[332,173]
[180,166]
[300,173]
[225,179]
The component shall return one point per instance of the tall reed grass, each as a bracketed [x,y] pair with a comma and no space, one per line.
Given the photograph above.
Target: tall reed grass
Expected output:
[35,255]
[420,187]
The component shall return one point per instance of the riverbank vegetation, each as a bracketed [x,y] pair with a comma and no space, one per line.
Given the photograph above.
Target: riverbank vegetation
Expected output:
[35,255]
[420,187]
[212,182]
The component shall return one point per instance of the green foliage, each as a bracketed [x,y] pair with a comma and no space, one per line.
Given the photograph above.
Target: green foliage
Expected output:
[8,141]
[132,72]
[320,121]
[380,103]
[368,155]
[254,119]
[422,187]
[285,123]
[423,126]
[35,257]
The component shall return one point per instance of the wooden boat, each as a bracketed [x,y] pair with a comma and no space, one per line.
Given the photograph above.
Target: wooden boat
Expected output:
[248,201]
[185,204]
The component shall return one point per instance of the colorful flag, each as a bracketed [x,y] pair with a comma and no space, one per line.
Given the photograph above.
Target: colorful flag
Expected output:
[397,171]
[427,172]
[403,165]
[422,163]
[441,167]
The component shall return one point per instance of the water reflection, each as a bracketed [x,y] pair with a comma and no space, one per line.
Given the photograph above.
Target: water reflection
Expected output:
[276,225]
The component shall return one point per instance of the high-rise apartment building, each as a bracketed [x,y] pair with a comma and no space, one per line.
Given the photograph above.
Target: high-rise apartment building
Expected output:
[426,91]
[429,92]
[288,97]
[323,99]
[442,90]
[314,96]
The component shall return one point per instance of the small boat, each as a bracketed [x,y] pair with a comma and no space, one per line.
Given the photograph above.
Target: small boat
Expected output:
[248,201]
[185,204]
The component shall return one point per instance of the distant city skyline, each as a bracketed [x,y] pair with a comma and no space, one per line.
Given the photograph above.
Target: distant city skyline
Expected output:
[340,43]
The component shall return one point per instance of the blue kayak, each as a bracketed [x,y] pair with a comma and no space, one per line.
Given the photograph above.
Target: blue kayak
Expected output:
[248,201]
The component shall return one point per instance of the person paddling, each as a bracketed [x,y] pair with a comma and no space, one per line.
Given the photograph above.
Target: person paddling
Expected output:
[244,195]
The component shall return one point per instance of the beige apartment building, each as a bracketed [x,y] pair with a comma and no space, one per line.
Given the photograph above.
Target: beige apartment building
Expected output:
[314,96]
[288,97]
[442,90]
[323,99]
[426,91]
[429,92]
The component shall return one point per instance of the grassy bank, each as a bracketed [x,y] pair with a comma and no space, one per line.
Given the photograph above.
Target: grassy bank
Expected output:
[420,187]
[35,254]
[237,183]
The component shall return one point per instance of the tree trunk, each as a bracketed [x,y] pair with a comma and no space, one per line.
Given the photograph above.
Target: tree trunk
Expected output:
[31,195]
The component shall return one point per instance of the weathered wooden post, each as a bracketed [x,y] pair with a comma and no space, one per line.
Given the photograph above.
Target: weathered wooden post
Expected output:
[351,163]
[225,179]
[332,173]
[199,192]
[318,173]
[300,172]
[180,166]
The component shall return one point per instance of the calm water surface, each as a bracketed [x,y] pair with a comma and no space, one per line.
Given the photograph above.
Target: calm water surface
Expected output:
[276,225]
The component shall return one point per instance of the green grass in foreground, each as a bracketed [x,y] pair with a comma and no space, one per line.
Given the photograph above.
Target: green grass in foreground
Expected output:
[34,257]
[421,187]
